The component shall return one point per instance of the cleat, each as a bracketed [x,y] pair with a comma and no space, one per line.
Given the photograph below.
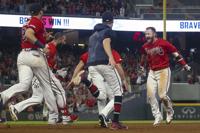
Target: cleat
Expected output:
[44,118]
[118,125]
[169,116]
[102,121]
[52,121]
[13,112]
[73,117]
[157,121]
[69,119]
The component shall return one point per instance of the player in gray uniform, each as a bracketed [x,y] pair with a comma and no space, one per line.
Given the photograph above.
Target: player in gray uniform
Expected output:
[101,61]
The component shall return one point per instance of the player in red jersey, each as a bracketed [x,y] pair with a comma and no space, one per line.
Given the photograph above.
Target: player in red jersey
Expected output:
[105,91]
[37,96]
[156,52]
[32,61]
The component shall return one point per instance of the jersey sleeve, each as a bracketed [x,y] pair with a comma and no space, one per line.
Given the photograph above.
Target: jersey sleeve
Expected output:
[109,34]
[116,56]
[84,57]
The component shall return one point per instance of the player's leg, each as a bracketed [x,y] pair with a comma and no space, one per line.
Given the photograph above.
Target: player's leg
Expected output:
[98,81]
[61,100]
[25,78]
[42,73]
[109,107]
[113,79]
[25,60]
[45,112]
[151,94]
[164,77]
[36,98]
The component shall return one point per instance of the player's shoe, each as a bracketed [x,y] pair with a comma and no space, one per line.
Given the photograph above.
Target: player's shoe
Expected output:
[158,120]
[13,112]
[118,125]
[73,117]
[69,119]
[169,116]
[52,121]
[108,120]
[44,118]
[102,121]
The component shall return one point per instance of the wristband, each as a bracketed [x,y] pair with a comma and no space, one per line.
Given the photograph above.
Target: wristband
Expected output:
[182,62]
[39,44]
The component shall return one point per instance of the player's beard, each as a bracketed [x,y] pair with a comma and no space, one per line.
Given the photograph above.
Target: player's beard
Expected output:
[149,39]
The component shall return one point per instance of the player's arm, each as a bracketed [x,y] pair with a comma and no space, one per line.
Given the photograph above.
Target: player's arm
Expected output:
[30,35]
[181,61]
[78,68]
[107,48]
[179,58]
[77,71]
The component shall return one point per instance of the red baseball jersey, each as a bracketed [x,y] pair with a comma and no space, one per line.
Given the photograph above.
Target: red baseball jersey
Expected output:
[116,55]
[51,56]
[39,29]
[158,53]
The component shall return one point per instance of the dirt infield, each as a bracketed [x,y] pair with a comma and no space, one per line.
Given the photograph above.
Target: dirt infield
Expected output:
[94,128]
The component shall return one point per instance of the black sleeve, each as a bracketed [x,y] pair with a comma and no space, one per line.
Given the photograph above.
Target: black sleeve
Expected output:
[109,34]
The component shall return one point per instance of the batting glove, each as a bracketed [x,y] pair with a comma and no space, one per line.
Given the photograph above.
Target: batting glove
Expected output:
[187,67]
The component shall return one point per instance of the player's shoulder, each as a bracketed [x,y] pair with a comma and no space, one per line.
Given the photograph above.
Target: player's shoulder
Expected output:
[84,56]
[35,21]
[114,52]
[163,42]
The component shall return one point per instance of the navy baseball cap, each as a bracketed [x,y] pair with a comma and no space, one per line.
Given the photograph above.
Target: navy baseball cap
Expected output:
[107,17]
[35,8]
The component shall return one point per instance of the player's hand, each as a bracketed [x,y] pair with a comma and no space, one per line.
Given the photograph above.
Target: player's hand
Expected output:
[46,49]
[112,62]
[62,72]
[77,79]
[125,85]
[187,67]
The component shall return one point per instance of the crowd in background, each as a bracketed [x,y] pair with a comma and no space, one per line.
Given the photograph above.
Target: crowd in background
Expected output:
[68,7]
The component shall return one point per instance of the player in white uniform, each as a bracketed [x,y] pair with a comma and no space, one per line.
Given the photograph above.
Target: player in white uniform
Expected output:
[37,96]
[32,61]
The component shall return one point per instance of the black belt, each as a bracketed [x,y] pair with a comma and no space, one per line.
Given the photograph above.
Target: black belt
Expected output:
[100,62]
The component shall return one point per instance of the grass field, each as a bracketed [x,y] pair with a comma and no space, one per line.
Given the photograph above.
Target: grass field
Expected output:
[93,127]
[95,122]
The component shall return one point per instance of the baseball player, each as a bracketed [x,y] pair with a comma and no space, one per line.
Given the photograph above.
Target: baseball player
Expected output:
[104,90]
[101,61]
[156,52]
[37,96]
[32,61]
